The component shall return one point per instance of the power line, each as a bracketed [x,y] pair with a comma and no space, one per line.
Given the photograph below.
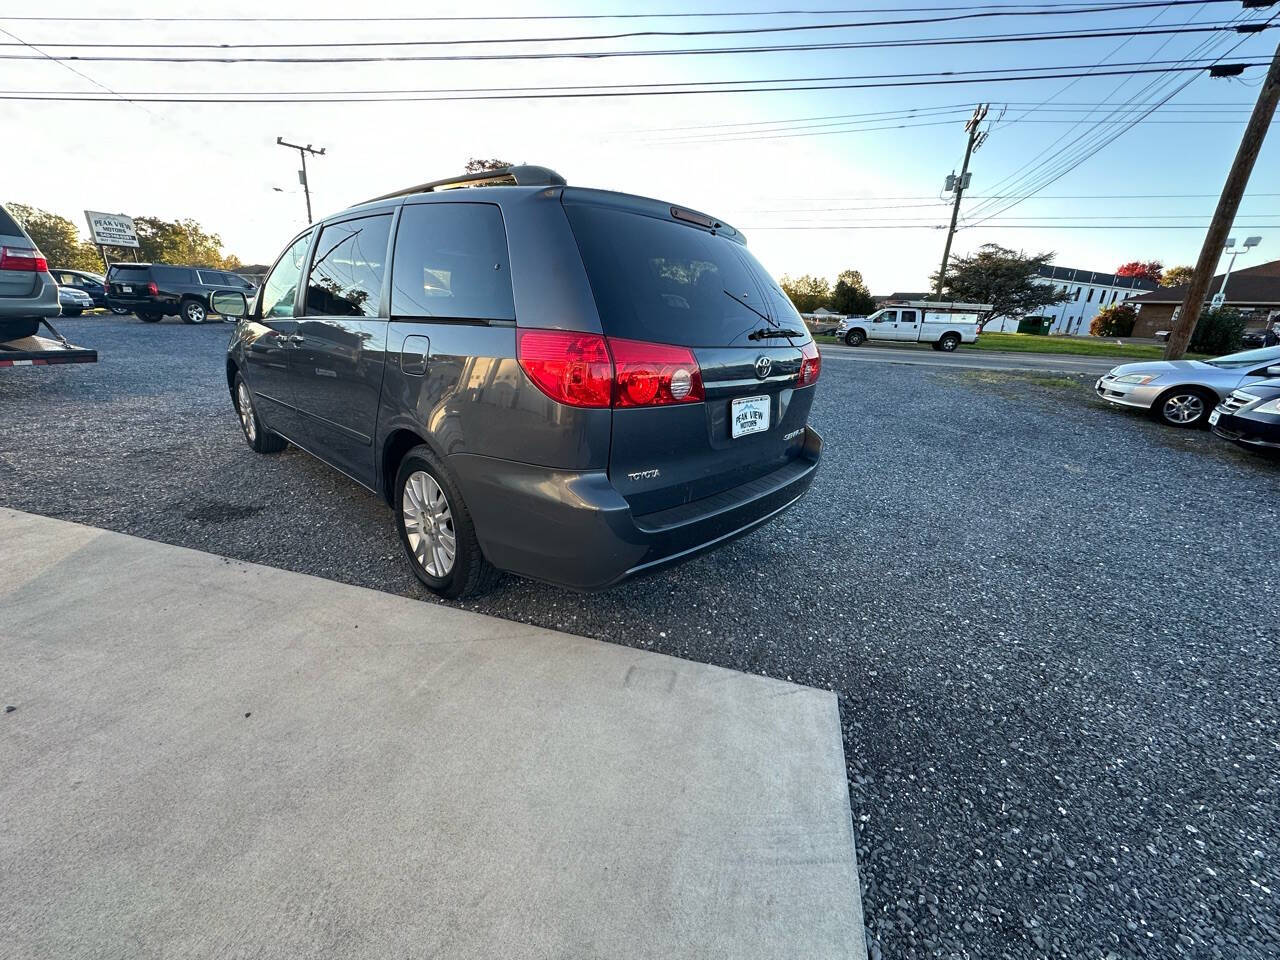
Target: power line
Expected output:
[1027,7]
[1020,37]
[942,78]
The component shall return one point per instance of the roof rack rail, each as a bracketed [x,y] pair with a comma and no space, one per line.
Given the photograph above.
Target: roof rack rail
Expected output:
[521,175]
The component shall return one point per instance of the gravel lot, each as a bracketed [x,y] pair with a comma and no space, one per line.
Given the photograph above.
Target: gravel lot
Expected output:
[1052,625]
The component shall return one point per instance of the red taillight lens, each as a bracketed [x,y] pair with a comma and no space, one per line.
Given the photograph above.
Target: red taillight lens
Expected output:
[810,365]
[654,374]
[23,258]
[152,289]
[570,368]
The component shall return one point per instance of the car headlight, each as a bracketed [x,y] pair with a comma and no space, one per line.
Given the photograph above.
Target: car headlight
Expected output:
[1271,406]
[1137,378]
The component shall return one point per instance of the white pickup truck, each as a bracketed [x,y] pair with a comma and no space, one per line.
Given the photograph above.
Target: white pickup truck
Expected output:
[944,325]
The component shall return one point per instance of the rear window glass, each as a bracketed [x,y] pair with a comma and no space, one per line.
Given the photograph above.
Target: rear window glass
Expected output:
[129,272]
[8,225]
[451,262]
[663,281]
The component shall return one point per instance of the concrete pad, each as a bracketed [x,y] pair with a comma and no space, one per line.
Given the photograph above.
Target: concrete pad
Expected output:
[213,758]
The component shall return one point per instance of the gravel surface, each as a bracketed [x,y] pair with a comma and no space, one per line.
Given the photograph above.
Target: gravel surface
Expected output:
[1052,626]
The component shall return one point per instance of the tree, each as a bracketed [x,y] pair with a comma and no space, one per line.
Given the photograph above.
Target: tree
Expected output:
[1150,270]
[181,241]
[807,293]
[1217,332]
[1116,320]
[851,296]
[475,165]
[58,238]
[1176,276]
[1004,278]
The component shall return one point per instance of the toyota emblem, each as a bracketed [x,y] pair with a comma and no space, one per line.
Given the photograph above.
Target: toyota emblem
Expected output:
[763,366]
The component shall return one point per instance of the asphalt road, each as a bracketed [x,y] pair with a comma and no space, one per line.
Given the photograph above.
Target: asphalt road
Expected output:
[968,359]
[1051,625]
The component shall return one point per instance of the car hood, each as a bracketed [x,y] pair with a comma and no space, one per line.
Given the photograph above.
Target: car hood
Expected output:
[1264,388]
[1161,366]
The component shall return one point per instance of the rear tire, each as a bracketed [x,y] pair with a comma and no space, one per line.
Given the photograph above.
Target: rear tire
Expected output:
[259,438]
[18,328]
[1184,407]
[431,515]
[855,338]
[948,342]
[73,312]
[192,311]
[150,317]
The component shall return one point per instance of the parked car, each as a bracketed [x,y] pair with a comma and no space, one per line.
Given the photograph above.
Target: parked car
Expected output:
[159,290]
[1266,337]
[942,325]
[94,284]
[28,292]
[1181,393]
[571,385]
[1250,416]
[74,302]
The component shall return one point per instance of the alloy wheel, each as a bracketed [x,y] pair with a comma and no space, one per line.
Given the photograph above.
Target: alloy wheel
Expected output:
[1184,408]
[195,313]
[428,523]
[245,407]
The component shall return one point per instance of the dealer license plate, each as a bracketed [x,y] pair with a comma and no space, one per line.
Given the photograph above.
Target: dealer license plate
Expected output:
[1213,418]
[748,415]
[125,288]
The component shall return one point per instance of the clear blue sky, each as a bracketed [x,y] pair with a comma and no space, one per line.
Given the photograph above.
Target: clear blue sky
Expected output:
[219,162]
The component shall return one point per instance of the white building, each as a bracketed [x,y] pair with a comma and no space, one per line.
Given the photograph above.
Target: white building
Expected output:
[1088,292]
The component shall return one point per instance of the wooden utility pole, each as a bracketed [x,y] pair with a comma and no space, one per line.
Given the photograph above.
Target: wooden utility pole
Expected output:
[302,174]
[1223,217]
[979,112]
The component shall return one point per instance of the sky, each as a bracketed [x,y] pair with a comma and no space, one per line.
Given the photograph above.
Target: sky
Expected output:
[820,180]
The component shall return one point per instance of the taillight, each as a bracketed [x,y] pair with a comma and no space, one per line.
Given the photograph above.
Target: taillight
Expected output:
[23,258]
[810,365]
[570,368]
[152,289]
[654,374]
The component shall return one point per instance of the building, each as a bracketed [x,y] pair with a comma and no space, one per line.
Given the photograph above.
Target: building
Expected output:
[1088,292]
[1253,291]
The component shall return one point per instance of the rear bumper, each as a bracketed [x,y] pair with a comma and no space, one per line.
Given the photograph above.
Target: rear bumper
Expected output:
[577,531]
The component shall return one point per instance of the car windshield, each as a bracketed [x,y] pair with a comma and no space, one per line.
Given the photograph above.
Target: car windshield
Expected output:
[1246,357]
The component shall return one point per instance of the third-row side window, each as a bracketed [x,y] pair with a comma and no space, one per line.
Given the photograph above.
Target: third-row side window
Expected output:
[451,262]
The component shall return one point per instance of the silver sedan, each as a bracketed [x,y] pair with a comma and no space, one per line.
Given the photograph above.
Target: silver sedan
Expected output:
[1181,393]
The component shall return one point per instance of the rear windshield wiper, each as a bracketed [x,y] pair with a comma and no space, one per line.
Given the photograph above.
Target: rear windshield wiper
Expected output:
[736,299]
[769,333]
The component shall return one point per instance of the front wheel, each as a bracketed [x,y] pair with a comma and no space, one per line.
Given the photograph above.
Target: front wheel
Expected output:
[259,438]
[1183,408]
[150,317]
[948,342]
[855,338]
[436,530]
[193,312]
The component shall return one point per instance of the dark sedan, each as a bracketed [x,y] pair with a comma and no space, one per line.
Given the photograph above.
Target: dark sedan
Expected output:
[1250,415]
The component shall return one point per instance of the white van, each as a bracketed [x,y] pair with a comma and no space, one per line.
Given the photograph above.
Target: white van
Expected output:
[944,325]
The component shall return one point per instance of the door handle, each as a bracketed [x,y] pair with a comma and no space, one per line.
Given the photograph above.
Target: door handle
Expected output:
[293,338]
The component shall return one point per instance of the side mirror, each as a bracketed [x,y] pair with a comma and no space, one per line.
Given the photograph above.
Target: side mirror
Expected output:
[229,303]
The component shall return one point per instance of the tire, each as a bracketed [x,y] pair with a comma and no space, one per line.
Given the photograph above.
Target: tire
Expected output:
[73,312]
[429,509]
[193,311]
[1184,407]
[855,338]
[18,328]
[150,317]
[120,311]
[948,342]
[259,438]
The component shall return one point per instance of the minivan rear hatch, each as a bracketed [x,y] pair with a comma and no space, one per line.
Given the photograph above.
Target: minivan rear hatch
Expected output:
[664,275]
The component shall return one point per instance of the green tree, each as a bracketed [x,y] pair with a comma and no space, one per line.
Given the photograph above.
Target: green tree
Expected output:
[180,241]
[851,296]
[1004,278]
[1217,332]
[1116,320]
[1176,276]
[807,293]
[476,165]
[58,238]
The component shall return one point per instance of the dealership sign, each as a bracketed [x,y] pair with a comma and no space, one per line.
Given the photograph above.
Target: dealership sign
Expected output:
[111,229]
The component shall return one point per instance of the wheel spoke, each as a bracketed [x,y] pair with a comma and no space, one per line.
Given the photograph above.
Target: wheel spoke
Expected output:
[428,524]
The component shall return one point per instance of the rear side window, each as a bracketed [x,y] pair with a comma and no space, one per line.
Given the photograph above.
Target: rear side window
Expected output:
[346,276]
[451,262]
[662,281]
[173,274]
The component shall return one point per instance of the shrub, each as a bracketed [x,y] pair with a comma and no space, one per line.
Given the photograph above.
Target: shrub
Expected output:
[1116,320]
[1217,332]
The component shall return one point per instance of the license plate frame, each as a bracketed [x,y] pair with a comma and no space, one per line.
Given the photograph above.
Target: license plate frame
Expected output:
[749,416]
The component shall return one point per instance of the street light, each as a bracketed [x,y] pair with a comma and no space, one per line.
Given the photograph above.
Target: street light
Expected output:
[1229,247]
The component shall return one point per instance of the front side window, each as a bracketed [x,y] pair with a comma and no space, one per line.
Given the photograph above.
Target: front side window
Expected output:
[451,261]
[889,316]
[281,286]
[346,276]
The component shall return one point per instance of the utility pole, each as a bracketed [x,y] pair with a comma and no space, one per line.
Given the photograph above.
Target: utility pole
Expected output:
[1228,204]
[302,174]
[979,112]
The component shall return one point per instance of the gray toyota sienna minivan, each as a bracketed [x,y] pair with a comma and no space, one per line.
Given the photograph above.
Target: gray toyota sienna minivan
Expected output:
[567,384]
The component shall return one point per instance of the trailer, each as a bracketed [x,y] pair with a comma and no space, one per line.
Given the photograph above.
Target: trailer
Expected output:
[942,324]
[37,351]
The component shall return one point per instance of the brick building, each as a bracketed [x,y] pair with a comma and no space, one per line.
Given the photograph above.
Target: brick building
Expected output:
[1254,291]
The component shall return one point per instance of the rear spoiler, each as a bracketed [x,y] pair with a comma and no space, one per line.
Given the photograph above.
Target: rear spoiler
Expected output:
[522,175]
